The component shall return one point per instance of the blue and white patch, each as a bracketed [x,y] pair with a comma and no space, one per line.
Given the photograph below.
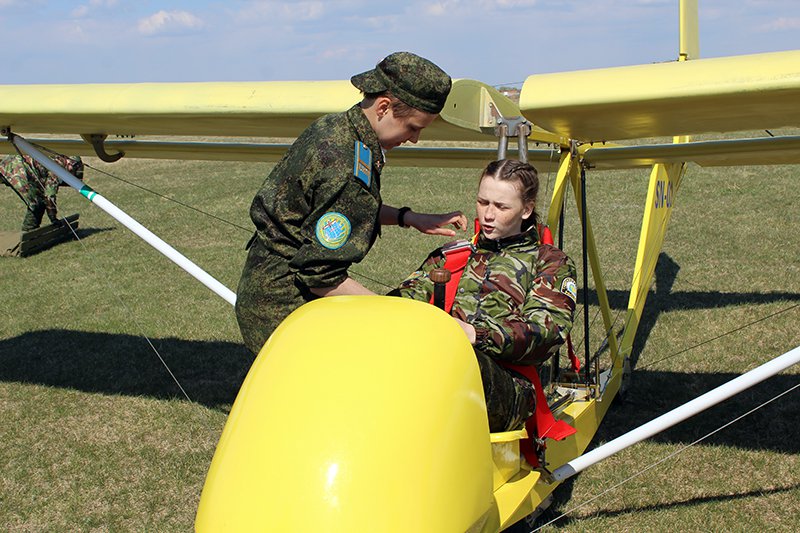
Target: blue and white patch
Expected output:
[362,163]
[570,288]
[333,230]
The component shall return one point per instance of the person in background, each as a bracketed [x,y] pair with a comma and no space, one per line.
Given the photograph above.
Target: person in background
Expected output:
[320,209]
[36,185]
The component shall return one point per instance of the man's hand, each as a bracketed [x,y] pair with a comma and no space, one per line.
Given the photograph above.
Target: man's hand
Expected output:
[433,224]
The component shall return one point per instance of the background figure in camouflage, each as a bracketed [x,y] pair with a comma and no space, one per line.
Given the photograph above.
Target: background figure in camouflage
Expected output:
[320,209]
[36,185]
[516,297]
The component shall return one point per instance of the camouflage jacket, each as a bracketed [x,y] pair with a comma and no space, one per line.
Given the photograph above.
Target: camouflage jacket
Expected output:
[315,178]
[518,294]
[315,215]
[31,181]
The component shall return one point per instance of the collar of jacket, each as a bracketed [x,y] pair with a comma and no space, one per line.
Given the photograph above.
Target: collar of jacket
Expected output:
[527,237]
[367,135]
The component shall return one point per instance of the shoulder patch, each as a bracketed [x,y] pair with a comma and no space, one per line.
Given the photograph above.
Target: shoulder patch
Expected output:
[570,288]
[362,163]
[333,230]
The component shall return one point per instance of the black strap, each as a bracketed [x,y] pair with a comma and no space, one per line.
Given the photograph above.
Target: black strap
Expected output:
[401,216]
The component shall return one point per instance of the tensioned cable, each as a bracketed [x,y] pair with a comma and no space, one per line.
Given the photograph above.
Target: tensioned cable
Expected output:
[509,84]
[232,224]
[671,455]
[776,313]
[579,344]
[653,465]
[123,180]
[641,472]
[128,312]
[116,295]
[637,276]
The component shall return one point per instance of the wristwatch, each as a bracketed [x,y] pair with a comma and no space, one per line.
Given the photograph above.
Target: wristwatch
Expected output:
[401,216]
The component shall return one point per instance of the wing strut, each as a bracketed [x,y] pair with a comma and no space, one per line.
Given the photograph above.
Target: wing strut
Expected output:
[679,414]
[123,218]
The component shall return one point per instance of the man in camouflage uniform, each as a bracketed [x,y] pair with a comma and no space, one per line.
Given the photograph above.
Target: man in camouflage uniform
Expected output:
[519,295]
[320,209]
[36,185]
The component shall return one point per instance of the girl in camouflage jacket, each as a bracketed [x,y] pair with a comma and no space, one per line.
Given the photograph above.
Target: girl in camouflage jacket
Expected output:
[516,297]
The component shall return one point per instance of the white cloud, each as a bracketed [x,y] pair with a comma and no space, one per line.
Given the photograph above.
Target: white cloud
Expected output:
[167,21]
[462,8]
[510,3]
[284,11]
[84,10]
[337,52]
[782,23]
[437,9]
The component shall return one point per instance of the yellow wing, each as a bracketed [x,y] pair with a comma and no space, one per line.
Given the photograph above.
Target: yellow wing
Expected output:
[235,109]
[723,94]
[704,95]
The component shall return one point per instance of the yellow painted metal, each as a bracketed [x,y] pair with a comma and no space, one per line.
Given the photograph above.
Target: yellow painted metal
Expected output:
[359,425]
[468,155]
[279,109]
[526,491]
[506,459]
[664,183]
[688,30]
[359,414]
[704,95]
[479,107]
[476,106]
[252,109]
[566,171]
[782,150]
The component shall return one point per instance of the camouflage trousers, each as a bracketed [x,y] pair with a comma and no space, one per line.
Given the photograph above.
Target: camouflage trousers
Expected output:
[268,292]
[33,217]
[510,398]
[35,207]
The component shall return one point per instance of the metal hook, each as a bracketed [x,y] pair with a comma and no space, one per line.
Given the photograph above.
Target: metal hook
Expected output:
[97,141]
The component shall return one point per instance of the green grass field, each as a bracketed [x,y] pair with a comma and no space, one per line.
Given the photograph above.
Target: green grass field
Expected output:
[97,436]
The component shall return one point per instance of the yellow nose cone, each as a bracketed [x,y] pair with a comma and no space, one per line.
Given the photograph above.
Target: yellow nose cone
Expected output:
[359,414]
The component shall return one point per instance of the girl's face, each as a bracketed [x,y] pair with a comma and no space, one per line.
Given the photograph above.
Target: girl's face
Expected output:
[500,208]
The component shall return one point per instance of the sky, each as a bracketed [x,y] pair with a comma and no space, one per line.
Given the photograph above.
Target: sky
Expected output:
[499,42]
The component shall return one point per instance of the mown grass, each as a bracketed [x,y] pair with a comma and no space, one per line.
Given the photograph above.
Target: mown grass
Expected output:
[98,437]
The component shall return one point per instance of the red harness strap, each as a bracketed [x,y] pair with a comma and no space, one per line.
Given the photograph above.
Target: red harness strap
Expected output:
[542,424]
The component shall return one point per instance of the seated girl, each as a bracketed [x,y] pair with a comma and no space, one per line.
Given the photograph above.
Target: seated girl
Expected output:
[516,296]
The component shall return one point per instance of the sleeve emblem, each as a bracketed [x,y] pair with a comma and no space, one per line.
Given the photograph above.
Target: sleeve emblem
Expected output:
[569,288]
[333,230]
